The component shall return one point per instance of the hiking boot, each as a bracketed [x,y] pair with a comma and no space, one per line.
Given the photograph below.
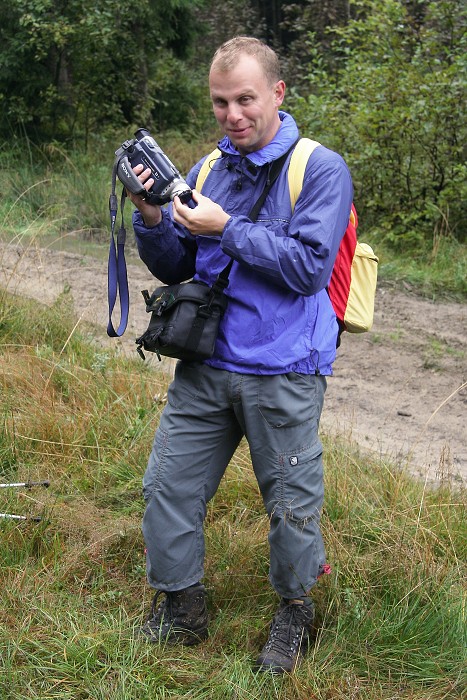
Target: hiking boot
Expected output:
[180,618]
[288,636]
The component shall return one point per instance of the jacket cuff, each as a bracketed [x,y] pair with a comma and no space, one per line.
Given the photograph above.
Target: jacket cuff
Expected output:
[141,228]
[230,236]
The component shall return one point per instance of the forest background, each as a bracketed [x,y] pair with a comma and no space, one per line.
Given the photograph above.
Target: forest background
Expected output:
[384,83]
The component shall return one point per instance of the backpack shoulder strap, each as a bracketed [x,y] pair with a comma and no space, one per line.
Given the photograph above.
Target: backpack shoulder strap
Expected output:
[298,161]
[206,167]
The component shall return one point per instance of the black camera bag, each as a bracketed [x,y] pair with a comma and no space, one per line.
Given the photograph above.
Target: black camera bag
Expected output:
[185,317]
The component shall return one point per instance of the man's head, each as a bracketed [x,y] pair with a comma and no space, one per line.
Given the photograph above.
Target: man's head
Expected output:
[246,92]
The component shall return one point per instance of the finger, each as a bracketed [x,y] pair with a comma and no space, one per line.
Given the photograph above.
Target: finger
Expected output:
[179,211]
[144,175]
[178,206]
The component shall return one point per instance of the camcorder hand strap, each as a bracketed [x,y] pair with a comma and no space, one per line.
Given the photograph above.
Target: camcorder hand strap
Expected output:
[117,279]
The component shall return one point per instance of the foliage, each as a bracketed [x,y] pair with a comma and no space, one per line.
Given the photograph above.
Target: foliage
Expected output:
[390,617]
[380,81]
[391,101]
[70,68]
[220,22]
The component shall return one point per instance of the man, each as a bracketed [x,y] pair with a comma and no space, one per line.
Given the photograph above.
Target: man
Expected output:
[276,344]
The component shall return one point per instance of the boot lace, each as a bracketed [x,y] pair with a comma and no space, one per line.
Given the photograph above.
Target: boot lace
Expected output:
[165,612]
[288,630]
[158,609]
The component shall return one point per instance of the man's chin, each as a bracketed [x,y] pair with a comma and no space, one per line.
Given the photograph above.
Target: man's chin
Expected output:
[243,145]
[241,141]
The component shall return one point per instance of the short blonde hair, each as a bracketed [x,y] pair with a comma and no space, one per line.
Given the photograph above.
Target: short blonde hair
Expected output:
[228,54]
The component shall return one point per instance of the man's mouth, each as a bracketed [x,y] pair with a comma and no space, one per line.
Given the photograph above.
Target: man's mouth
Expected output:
[239,132]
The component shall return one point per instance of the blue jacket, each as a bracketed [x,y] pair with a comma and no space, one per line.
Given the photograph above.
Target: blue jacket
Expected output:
[279,317]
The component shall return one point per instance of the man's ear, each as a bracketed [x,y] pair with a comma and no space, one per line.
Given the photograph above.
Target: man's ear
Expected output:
[279,93]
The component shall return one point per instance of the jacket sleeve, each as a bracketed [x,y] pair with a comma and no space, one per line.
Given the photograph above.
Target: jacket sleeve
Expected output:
[301,257]
[168,250]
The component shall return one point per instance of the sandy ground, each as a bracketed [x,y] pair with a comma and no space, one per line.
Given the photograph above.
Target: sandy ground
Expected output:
[399,391]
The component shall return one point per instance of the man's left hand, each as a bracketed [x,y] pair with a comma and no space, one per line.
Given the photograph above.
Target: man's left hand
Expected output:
[207,218]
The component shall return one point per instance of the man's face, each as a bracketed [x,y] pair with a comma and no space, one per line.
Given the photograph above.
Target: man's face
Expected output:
[245,104]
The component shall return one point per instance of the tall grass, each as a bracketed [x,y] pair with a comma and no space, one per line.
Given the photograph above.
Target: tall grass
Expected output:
[438,272]
[390,616]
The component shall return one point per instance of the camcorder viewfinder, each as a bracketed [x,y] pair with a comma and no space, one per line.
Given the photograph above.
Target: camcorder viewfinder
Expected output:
[144,150]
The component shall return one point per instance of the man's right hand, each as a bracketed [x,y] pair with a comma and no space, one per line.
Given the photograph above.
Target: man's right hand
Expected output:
[151,213]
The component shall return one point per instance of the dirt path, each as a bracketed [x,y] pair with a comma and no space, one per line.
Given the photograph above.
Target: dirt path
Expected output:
[399,391]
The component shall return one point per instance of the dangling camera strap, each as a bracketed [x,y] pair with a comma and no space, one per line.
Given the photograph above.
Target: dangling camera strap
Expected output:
[117,280]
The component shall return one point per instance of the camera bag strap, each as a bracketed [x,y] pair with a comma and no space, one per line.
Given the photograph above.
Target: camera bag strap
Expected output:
[275,168]
[222,280]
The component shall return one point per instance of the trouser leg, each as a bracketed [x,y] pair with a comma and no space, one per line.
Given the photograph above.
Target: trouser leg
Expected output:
[196,438]
[281,415]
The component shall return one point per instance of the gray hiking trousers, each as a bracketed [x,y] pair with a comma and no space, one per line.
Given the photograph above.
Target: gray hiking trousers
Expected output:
[207,414]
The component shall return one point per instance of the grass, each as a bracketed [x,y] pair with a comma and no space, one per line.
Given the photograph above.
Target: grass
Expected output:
[436,272]
[60,198]
[390,616]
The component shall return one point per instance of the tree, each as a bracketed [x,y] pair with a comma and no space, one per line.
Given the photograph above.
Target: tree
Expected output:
[392,102]
[69,67]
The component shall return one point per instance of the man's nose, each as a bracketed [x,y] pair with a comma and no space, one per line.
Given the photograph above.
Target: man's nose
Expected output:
[234,113]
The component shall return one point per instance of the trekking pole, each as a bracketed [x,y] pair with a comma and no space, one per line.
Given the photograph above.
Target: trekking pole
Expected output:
[35,518]
[26,485]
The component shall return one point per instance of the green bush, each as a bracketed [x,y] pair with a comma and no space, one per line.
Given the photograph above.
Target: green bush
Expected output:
[391,103]
[69,70]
